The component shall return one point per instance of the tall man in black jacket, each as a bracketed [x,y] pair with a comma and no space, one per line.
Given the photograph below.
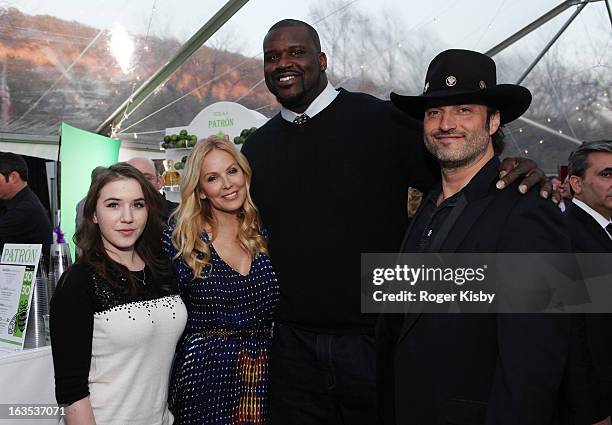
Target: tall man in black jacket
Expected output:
[439,369]
[589,223]
[330,178]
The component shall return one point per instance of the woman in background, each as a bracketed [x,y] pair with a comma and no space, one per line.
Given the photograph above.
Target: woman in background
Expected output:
[115,316]
[218,246]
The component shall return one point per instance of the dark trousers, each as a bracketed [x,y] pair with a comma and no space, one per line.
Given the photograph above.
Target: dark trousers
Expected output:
[322,379]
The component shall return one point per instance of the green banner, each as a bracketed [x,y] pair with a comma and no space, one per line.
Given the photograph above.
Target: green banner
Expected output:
[80,152]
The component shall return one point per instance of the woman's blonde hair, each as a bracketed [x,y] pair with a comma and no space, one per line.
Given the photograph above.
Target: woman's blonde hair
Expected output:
[194,214]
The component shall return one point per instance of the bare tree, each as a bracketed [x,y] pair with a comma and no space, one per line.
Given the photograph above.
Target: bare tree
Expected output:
[372,53]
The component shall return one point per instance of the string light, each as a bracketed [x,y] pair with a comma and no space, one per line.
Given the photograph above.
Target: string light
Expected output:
[580,119]
[560,131]
[577,108]
[526,151]
[520,130]
[541,142]
[548,120]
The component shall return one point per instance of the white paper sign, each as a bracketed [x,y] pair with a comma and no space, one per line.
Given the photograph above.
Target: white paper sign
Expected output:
[11,286]
[18,268]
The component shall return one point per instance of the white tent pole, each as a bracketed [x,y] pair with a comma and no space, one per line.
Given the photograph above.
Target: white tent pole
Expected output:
[551,42]
[607,2]
[549,130]
[531,27]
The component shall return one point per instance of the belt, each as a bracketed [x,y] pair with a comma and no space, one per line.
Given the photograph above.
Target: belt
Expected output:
[237,332]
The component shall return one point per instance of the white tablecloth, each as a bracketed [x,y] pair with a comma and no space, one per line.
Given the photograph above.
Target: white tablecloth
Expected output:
[26,377]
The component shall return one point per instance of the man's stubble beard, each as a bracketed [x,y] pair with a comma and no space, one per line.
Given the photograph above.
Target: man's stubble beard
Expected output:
[473,148]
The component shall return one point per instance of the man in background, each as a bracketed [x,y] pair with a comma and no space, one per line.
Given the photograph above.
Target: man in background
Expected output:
[23,218]
[590,178]
[588,219]
[147,168]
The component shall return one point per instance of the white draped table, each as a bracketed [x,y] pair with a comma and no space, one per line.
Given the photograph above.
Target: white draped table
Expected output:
[26,377]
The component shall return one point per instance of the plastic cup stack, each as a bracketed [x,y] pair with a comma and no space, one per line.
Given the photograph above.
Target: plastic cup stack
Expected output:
[60,261]
[37,334]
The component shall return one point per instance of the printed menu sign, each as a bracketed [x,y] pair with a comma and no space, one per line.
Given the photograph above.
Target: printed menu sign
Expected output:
[17,276]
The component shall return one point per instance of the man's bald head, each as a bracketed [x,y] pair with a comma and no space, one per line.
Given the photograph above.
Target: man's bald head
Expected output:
[147,167]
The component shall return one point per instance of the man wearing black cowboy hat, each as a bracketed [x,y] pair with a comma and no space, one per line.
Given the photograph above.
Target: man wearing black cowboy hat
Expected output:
[470,368]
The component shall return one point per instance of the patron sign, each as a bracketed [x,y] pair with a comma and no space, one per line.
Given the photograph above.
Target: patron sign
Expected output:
[222,117]
[17,276]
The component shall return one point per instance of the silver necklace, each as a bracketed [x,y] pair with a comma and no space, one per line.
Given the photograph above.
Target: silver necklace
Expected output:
[144,277]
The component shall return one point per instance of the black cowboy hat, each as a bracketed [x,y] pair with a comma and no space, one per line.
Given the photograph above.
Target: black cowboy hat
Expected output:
[463,76]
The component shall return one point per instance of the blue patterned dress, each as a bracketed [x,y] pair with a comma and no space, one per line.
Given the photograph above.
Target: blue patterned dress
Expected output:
[220,372]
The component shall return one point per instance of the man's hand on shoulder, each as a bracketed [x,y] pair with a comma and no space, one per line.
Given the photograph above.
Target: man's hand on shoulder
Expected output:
[513,168]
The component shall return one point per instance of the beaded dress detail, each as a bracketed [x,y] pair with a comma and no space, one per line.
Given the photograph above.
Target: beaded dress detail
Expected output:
[220,373]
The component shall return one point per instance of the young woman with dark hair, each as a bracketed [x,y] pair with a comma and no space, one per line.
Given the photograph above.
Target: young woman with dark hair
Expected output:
[116,316]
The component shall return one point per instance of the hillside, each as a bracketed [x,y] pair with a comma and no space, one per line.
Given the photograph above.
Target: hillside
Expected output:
[55,70]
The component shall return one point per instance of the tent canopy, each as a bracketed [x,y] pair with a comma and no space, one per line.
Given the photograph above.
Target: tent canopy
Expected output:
[139,67]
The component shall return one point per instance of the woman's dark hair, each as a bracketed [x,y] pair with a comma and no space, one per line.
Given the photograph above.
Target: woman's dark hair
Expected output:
[148,245]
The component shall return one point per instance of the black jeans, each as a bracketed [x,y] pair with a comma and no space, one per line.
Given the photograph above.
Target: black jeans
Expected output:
[322,379]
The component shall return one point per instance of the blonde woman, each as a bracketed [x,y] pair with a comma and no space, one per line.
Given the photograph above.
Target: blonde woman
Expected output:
[219,252]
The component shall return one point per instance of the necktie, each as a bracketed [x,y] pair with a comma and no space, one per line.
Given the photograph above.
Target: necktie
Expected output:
[301,119]
[609,228]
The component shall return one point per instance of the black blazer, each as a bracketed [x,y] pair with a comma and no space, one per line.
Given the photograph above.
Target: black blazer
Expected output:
[588,236]
[478,368]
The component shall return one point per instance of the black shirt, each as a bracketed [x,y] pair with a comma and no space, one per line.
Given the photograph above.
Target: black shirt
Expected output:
[81,295]
[429,222]
[25,220]
[331,189]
